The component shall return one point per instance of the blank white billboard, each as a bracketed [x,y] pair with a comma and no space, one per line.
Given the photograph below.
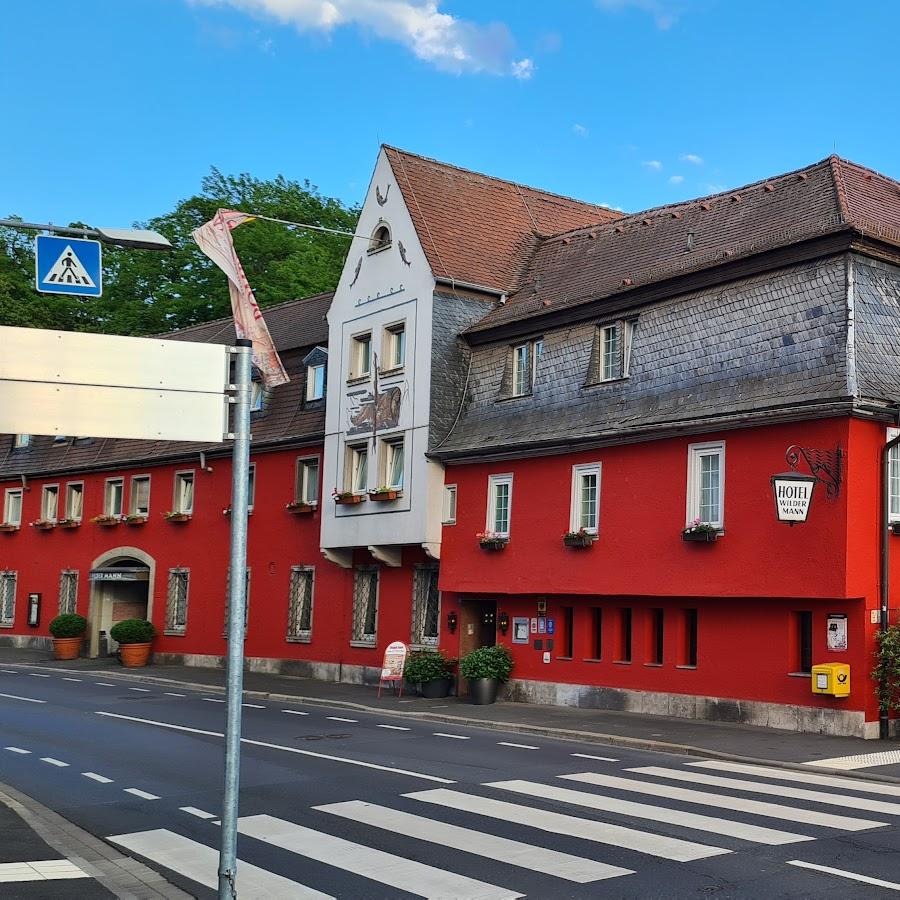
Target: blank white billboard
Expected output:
[96,385]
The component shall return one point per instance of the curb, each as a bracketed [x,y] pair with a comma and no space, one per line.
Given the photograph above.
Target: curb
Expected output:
[120,874]
[590,737]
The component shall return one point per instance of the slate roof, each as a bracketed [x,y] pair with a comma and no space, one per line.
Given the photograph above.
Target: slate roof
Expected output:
[296,326]
[590,264]
[479,229]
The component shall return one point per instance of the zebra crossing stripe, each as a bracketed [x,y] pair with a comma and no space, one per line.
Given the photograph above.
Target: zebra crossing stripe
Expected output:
[513,853]
[200,863]
[713,824]
[735,804]
[779,790]
[571,826]
[850,784]
[405,874]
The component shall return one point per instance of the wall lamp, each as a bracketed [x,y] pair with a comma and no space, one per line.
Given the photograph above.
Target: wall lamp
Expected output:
[451,622]
[503,622]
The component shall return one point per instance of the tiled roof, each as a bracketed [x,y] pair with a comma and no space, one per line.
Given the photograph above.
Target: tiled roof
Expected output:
[479,229]
[609,260]
[295,327]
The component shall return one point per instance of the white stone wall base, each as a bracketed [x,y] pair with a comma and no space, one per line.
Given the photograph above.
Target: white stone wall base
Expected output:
[26,641]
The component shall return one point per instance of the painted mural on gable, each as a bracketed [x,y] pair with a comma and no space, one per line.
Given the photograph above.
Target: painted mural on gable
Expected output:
[364,414]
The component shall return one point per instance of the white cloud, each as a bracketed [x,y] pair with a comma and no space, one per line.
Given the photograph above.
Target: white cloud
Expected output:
[665,15]
[445,41]
[653,164]
[676,179]
[580,130]
[691,158]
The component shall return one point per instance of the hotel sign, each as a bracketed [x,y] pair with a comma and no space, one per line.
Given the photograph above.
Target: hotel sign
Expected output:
[793,495]
[123,574]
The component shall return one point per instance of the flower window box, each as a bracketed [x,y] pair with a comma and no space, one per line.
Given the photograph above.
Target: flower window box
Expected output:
[300,509]
[8,528]
[106,521]
[348,498]
[701,533]
[44,525]
[135,520]
[492,542]
[895,528]
[382,495]
[177,517]
[69,523]
[579,538]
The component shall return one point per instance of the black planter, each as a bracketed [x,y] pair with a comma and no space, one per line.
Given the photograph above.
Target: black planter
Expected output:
[483,690]
[700,537]
[434,690]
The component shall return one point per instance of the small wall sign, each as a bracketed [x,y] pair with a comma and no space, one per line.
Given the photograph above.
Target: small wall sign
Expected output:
[520,630]
[836,636]
[542,625]
[534,626]
[551,626]
[541,607]
[793,496]
[34,610]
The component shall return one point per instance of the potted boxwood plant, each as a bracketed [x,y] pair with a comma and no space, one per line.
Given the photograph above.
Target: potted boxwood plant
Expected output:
[134,637]
[431,671]
[486,668]
[68,635]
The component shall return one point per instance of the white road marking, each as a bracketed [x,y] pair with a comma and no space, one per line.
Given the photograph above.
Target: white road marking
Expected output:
[40,870]
[95,777]
[173,694]
[71,679]
[212,700]
[297,750]
[8,672]
[850,784]
[599,758]
[778,790]
[394,727]
[842,873]
[514,853]
[713,824]
[54,762]
[141,690]
[455,737]
[859,761]
[341,719]
[735,804]
[16,750]
[295,712]
[571,826]
[199,813]
[517,746]
[26,699]
[104,684]
[38,675]
[407,874]
[255,706]
[139,793]
[200,863]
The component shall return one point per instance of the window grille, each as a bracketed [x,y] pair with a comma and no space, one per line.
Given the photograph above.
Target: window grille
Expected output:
[177,600]
[68,591]
[300,600]
[228,599]
[365,604]
[426,607]
[7,598]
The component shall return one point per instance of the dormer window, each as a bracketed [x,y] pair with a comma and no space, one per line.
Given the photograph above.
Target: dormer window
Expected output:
[611,353]
[315,382]
[381,237]
[257,396]
[21,441]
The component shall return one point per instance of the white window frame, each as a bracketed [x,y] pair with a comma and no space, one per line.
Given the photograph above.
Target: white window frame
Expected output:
[178,482]
[357,342]
[352,467]
[46,491]
[522,374]
[251,486]
[607,361]
[300,635]
[302,469]
[390,449]
[257,396]
[491,519]
[314,390]
[448,505]
[629,327]
[70,491]
[68,577]
[893,477]
[172,626]
[394,346]
[108,494]
[7,506]
[8,598]
[135,480]
[696,452]
[579,472]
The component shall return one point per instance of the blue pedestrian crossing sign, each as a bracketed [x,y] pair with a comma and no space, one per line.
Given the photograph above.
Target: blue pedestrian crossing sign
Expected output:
[67,266]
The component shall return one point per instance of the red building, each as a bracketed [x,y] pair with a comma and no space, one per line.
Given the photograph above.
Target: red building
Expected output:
[568,449]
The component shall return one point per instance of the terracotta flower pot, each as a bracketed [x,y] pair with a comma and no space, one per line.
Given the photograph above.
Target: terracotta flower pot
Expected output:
[67,648]
[134,655]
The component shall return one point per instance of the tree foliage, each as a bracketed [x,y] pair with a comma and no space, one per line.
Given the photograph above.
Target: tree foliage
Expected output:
[887,668]
[149,292]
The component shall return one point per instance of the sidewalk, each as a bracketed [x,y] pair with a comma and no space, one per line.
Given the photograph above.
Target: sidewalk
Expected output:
[42,855]
[715,739]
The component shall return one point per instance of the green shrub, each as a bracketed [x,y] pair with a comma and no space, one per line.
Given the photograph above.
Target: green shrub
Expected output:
[887,668]
[487,662]
[68,625]
[132,631]
[427,665]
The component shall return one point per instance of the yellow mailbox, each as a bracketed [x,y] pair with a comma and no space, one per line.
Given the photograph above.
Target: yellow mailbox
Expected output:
[831,678]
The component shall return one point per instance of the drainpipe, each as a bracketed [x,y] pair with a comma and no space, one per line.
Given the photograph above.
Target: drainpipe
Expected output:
[883,724]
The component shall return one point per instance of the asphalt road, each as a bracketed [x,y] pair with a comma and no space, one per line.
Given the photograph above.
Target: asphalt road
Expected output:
[355,805]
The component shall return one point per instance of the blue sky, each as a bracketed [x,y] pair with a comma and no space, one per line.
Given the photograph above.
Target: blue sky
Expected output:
[114,110]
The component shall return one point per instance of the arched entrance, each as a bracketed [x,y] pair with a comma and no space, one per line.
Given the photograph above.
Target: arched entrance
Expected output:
[121,588]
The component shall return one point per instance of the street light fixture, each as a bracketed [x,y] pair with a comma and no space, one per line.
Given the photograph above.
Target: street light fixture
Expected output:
[135,238]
